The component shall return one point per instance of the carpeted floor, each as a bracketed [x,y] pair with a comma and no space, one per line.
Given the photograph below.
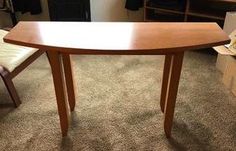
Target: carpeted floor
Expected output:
[118,107]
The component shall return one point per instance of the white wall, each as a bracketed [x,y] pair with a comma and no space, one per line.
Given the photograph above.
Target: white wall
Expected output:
[113,10]
[101,10]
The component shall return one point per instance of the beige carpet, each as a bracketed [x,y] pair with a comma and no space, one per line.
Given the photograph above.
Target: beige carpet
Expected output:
[118,107]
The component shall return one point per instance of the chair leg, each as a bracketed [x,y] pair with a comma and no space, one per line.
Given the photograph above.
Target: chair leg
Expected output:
[8,76]
[10,87]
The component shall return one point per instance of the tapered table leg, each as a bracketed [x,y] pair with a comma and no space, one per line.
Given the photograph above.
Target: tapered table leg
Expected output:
[171,91]
[69,80]
[165,80]
[59,84]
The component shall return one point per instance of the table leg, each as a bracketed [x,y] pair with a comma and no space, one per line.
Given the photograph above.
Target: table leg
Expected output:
[176,62]
[69,80]
[59,84]
[165,80]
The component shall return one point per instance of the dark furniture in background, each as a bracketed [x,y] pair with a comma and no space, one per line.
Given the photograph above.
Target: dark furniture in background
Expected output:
[13,6]
[69,10]
[188,10]
[7,6]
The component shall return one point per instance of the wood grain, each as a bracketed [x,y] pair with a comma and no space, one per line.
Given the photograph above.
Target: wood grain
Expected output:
[69,80]
[170,39]
[117,38]
[165,81]
[172,90]
[60,90]
[5,74]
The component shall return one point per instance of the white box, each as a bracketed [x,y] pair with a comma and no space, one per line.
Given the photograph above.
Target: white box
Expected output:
[230,22]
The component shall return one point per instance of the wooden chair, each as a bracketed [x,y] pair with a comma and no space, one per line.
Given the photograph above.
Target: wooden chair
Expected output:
[14,59]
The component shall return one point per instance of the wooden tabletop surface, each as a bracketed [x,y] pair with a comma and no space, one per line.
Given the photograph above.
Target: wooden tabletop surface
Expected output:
[117,38]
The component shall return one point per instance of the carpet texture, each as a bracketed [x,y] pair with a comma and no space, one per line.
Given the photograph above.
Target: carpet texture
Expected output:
[118,107]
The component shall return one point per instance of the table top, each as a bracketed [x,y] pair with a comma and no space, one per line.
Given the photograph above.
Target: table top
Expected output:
[117,37]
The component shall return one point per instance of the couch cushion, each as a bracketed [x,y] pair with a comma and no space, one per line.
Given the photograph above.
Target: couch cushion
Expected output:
[12,56]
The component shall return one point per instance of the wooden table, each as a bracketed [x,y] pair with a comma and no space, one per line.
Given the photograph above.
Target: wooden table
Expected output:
[60,39]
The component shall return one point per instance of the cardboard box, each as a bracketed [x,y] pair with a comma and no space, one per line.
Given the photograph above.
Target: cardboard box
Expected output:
[229,77]
[221,62]
[230,22]
[224,56]
[226,61]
